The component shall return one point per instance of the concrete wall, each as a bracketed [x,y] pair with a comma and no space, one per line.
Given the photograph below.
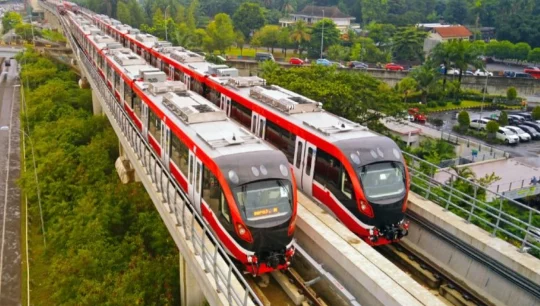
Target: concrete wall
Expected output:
[496,85]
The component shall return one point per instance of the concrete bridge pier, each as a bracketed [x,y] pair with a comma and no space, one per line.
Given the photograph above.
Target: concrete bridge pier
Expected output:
[190,291]
[96,105]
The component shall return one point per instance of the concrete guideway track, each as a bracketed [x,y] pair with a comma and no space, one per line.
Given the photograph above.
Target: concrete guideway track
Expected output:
[10,255]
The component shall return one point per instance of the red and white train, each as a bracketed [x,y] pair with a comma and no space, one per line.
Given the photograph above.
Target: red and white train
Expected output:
[360,176]
[243,188]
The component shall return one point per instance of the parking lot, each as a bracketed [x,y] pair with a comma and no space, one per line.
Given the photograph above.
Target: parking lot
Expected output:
[524,149]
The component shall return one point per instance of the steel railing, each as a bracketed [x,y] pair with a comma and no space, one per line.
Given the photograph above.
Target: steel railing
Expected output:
[493,152]
[502,217]
[230,280]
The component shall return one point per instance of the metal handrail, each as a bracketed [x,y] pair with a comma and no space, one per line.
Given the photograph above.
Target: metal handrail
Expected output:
[496,153]
[174,198]
[490,216]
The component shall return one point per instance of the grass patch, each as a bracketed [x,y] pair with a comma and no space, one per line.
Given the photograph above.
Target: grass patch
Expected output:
[250,52]
[465,104]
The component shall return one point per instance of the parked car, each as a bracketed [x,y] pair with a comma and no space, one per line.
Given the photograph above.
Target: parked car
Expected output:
[468,72]
[479,124]
[526,116]
[531,131]
[535,126]
[393,67]
[523,137]
[482,72]
[264,56]
[520,119]
[417,115]
[514,121]
[520,75]
[337,64]
[453,71]
[324,62]
[506,135]
[358,65]
[296,61]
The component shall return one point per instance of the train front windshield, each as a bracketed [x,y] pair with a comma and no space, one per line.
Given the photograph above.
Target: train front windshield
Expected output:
[264,199]
[383,180]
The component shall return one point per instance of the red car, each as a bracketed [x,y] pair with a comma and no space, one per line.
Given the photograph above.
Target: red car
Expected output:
[417,116]
[296,61]
[393,67]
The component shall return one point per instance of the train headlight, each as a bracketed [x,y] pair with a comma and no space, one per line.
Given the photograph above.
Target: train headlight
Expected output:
[241,230]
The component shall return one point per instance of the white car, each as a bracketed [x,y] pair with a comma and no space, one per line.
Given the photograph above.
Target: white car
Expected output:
[479,124]
[453,71]
[508,136]
[521,133]
[482,72]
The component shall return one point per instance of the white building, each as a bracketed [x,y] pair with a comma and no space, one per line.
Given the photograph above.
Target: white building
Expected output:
[438,34]
[312,14]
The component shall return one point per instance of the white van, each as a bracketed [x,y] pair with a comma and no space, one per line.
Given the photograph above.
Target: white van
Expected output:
[479,124]
[508,136]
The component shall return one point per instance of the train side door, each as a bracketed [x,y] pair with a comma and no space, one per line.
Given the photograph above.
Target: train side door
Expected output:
[195,181]
[144,120]
[304,164]
[122,88]
[187,81]
[225,104]
[258,124]
[165,142]
[171,73]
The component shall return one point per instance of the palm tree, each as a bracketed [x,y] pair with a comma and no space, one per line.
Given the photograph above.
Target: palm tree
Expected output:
[287,7]
[440,55]
[407,44]
[426,78]
[300,34]
[464,172]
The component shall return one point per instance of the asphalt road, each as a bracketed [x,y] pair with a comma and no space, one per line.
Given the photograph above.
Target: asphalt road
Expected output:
[10,197]
[526,149]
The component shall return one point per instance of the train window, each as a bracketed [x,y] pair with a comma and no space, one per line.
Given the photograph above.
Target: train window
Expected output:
[281,138]
[241,113]
[178,75]
[128,95]
[213,195]
[346,185]
[327,169]
[154,125]
[179,154]
[197,86]
[308,161]
[111,75]
[214,97]
[117,81]
[137,105]
[299,152]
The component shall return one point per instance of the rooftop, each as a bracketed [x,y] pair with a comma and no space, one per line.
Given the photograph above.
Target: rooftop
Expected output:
[317,11]
[453,31]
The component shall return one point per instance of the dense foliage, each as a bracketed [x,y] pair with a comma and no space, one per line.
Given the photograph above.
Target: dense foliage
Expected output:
[347,94]
[106,244]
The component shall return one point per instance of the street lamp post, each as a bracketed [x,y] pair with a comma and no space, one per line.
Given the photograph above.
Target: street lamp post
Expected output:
[166,23]
[322,36]
[484,95]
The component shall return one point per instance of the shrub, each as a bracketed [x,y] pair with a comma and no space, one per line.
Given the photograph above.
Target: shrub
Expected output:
[441,103]
[431,104]
[456,102]
[536,113]
[503,119]
[464,120]
[492,127]
[511,93]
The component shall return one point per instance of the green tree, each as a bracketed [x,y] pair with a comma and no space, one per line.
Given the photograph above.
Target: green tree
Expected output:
[284,40]
[267,36]
[491,128]
[331,36]
[10,21]
[503,118]
[248,18]
[192,14]
[407,44]
[26,31]
[511,93]
[137,13]
[221,32]
[364,49]
[123,12]
[381,33]
[457,11]
[536,113]
[339,53]
[373,10]
[300,34]
[534,55]
[407,86]
[240,41]
[521,51]
[426,79]
[464,121]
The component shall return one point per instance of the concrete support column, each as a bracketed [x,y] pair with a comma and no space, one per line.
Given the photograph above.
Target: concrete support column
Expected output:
[125,170]
[190,292]
[96,106]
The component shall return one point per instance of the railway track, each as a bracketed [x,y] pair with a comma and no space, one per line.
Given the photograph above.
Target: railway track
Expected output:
[305,283]
[440,283]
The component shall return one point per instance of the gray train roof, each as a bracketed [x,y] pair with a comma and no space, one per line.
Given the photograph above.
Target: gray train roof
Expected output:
[200,119]
[298,109]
